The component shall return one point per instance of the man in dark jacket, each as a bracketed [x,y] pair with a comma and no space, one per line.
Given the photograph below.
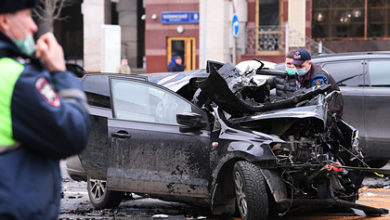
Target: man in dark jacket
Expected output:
[43,116]
[310,75]
[287,85]
[176,64]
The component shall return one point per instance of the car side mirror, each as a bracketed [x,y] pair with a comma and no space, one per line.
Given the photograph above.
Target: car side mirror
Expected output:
[191,120]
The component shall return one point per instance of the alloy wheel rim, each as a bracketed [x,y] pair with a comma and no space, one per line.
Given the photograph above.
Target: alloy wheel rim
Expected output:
[97,188]
[240,195]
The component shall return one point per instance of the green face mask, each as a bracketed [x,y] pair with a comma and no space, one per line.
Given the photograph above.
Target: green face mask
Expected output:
[27,45]
[291,71]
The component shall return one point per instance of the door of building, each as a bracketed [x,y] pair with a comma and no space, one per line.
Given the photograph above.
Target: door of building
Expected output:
[183,47]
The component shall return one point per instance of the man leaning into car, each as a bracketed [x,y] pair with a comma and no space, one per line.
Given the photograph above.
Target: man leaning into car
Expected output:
[287,85]
[43,116]
[310,75]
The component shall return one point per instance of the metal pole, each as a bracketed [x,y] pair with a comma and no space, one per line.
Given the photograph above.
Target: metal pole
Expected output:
[365,19]
[203,15]
[320,47]
[286,49]
[234,37]
[234,49]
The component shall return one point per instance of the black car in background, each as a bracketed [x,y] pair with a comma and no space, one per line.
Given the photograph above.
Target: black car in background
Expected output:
[76,69]
[364,79]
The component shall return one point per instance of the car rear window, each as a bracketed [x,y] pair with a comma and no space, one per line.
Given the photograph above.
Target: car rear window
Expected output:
[346,73]
[379,71]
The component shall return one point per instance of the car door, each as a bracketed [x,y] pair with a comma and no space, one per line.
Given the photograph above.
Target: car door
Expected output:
[350,77]
[93,158]
[377,108]
[150,152]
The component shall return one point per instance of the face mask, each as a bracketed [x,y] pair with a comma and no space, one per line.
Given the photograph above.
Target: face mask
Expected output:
[291,71]
[301,72]
[27,45]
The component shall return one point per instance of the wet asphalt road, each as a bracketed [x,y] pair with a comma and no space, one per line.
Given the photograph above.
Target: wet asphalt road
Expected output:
[75,205]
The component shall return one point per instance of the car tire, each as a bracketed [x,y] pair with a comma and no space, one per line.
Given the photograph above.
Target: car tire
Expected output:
[377,163]
[251,191]
[100,197]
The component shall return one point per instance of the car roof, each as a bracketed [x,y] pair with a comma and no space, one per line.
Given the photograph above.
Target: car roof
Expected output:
[351,55]
[98,82]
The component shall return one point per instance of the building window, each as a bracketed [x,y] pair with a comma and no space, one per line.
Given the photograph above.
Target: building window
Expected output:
[350,19]
[268,31]
[378,19]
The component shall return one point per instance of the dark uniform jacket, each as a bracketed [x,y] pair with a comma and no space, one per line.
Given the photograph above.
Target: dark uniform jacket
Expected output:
[43,118]
[318,76]
[174,67]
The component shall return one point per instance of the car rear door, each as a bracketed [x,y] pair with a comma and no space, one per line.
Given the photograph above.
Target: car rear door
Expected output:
[350,77]
[150,152]
[377,109]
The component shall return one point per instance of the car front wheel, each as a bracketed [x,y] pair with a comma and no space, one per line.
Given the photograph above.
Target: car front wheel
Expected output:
[100,197]
[251,191]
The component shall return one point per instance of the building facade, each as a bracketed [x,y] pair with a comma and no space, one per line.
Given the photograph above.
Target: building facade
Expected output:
[172,29]
[153,31]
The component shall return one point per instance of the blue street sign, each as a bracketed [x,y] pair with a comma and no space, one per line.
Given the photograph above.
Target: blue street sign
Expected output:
[235,25]
[180,17]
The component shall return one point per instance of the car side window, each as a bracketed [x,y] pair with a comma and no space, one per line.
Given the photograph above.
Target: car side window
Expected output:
[346,73]
[379,72]
[140,101]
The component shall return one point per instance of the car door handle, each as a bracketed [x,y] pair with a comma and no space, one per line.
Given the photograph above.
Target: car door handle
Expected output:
[121,134]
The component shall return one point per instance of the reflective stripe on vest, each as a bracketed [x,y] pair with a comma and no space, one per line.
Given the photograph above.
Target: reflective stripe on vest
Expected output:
[4,149]
[10,71]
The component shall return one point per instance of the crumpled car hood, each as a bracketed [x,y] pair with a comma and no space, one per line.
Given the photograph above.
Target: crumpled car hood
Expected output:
[219,89]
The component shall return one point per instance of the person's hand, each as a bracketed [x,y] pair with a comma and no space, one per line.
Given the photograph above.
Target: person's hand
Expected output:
[50,52]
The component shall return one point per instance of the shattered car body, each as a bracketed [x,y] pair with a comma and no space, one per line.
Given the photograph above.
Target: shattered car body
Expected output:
[240,150]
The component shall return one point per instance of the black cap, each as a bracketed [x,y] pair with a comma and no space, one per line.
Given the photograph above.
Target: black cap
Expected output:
[10,6]
[301,56]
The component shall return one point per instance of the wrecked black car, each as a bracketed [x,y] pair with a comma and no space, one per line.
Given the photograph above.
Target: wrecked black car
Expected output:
[241,152]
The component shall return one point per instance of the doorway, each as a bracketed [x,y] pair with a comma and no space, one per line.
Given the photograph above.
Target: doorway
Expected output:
[183,47]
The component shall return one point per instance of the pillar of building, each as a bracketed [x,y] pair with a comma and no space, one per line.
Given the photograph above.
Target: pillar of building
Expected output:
[297,23]
[127,18]
[214,31]
[94,17]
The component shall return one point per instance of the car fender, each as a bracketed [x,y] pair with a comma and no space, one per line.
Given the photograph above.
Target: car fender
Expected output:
[222,188]
[232,157]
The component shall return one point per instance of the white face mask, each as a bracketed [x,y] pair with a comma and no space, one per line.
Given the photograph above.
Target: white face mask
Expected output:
[27,45]
[301,72]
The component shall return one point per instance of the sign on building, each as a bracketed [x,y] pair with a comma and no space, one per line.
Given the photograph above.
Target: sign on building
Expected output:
[180,17]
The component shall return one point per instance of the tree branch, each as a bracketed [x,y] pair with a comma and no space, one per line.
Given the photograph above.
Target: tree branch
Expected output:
[50,10]
[59,8]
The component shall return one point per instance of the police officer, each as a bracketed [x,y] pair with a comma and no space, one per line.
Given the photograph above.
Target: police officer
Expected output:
[310,75]
[43,116]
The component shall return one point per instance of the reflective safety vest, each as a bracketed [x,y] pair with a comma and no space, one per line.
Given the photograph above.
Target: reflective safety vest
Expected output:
[10,71]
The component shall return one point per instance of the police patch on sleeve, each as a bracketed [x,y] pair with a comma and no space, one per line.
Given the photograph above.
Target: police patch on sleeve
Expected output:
[47,92]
